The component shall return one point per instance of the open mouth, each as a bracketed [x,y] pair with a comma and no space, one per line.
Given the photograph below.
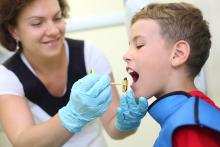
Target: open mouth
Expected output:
[134,75]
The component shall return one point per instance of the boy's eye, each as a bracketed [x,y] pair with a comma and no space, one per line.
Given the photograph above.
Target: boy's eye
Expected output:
[139,46]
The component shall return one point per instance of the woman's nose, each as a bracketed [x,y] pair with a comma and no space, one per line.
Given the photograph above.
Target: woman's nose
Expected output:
[52,29]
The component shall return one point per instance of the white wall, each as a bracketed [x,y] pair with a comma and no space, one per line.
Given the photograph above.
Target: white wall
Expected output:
[113,42]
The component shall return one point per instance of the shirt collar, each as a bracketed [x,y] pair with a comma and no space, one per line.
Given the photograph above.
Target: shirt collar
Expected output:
[166,105]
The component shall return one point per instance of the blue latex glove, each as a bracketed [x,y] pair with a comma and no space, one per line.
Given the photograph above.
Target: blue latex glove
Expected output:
[89,99]
[130,112]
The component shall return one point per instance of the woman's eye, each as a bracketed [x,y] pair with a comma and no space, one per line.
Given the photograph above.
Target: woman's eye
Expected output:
[58,18]
[36,23]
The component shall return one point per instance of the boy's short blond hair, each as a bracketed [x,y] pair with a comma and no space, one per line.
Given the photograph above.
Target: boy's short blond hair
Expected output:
[181,21]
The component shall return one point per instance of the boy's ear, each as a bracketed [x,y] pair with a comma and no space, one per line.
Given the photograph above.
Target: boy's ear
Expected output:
[180,53]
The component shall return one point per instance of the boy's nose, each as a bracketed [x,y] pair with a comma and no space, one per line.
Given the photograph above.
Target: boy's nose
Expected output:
[126,57]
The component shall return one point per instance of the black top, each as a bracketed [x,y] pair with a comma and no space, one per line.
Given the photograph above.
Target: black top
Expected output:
[34,89]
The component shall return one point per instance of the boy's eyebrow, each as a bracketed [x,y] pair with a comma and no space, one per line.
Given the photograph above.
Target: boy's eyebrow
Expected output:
[137,37]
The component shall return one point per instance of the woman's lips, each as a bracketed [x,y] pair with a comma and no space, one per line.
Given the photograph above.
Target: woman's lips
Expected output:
[51,43]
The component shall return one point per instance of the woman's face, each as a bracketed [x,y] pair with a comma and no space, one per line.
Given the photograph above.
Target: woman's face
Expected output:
[40,28]
[147,59]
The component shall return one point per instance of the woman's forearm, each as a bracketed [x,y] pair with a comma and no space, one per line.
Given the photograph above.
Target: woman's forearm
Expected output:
[50,133]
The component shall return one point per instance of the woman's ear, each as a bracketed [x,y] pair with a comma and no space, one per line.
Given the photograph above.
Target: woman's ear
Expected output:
[180,53]
[12,30]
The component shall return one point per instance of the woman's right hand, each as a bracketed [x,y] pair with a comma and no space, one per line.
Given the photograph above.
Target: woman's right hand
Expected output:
[89,99]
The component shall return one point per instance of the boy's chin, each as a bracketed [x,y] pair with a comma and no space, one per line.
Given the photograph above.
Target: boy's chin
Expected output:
[137,94]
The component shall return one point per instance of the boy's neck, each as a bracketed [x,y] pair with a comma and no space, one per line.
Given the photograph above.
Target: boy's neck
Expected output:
[178,82]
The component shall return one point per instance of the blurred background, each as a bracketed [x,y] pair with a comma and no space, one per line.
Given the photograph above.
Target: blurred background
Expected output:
[104,23]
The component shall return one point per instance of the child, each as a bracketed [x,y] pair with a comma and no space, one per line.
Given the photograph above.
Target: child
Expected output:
[169,44]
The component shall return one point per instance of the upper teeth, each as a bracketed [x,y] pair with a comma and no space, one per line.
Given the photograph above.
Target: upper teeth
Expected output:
[130,70]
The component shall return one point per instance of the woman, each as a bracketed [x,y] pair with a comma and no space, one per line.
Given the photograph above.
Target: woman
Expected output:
[43,69]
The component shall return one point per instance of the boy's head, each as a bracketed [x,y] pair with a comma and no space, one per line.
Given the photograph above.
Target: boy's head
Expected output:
[181,21]
[180,26]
